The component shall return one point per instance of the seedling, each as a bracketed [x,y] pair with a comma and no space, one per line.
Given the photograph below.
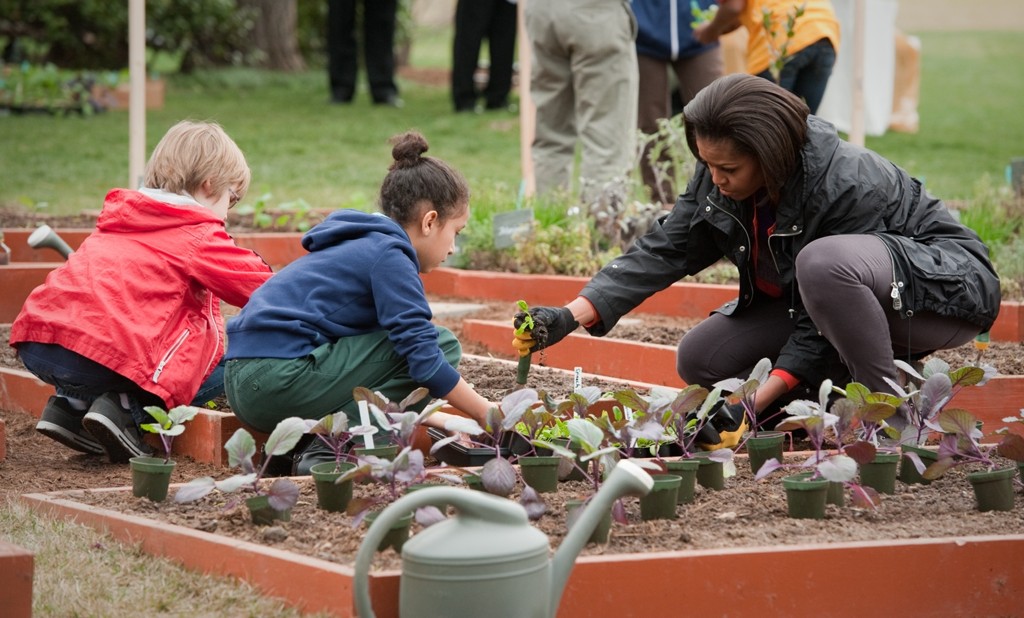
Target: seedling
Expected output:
[169,424]
[526,325]
[241,449]
[333,431]
[814,418]
[960,443]
[395,417]
[497,475]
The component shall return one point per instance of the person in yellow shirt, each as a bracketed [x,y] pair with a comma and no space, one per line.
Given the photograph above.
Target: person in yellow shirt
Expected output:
[800,62]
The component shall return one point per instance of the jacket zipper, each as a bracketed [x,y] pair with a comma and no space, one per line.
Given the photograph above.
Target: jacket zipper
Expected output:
[897,286]
[170,354]
[213,326]
[742,227]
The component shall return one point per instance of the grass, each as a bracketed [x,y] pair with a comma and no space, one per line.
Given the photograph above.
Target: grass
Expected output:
[299,147]
[79,572]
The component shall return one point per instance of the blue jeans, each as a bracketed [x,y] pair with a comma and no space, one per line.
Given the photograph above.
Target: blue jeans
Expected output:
[76,376]
[806,72]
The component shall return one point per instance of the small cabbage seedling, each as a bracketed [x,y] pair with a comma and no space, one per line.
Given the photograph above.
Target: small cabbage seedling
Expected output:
[838,467]
[333,431]
[169,424]
[241,448]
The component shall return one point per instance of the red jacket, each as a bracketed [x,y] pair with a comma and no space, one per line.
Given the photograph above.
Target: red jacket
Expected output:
[142,294]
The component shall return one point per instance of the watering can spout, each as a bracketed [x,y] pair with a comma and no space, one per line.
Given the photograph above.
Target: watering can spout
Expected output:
[626,479]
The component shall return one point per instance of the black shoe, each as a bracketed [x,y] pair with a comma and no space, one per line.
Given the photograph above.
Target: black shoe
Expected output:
[63,423]
[316,452]
[342,96]
[115,429]
[724,428]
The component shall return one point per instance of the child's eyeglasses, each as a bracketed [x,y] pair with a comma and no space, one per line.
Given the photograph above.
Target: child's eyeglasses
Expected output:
[232,197]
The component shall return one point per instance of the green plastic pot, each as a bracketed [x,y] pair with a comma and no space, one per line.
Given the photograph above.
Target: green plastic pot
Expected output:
[711,473]
[151,476]
[836,494]
[805,498]
[540,472]
[993,489]
[660,502]
[568,470]
[330,495]
[263,514]
[686,470]
[880,473]
[601,531]
[397,535]
[1020,466]
[908,473]
[764,446]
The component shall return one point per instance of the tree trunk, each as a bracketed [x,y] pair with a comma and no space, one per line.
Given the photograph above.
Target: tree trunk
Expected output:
[274,33]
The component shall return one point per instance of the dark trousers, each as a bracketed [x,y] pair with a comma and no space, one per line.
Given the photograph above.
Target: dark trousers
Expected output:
[476,20]
[844,282]
[806,73]
[378,38]
[78,377]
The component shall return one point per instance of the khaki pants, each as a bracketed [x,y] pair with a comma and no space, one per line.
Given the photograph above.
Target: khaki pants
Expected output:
[584,84]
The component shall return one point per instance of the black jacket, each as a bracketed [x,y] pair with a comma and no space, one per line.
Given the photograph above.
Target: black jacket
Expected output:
[940,265]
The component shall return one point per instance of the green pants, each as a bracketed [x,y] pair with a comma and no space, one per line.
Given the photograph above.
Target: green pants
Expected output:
[264,391]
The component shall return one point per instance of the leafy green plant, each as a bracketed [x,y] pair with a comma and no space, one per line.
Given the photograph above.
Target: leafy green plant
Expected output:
[927,393]
[396,475]
[395,417]
[497,475]
[46,88]
[837,467]
[241,448]
[169,424]
[780,52]
[334,432]
[960,444]
[701,16]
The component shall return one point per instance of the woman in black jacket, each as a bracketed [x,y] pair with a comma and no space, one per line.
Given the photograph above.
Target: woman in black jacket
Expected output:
[845,261]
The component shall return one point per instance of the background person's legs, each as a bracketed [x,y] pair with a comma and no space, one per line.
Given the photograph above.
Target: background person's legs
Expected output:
[554,142]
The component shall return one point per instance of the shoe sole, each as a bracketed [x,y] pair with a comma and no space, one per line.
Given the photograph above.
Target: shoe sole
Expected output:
[69,438]
[118,447]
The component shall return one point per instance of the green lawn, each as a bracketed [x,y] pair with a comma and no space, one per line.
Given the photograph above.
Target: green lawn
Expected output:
[300,147]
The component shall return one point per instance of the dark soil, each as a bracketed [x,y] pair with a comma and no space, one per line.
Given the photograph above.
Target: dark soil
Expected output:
[746,513]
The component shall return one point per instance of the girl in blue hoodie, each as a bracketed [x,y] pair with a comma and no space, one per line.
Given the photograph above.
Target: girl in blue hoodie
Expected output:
[353,311]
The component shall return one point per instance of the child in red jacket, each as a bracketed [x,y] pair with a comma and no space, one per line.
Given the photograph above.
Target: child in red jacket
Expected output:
[132,319]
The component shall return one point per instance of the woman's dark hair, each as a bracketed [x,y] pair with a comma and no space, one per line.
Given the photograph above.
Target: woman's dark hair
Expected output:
[413,179]
[759,117]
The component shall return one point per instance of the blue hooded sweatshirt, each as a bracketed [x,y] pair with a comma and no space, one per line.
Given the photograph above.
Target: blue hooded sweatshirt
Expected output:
[663,28]
[361,275]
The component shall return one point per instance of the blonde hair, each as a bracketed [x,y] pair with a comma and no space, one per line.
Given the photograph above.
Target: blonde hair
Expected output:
[190,153]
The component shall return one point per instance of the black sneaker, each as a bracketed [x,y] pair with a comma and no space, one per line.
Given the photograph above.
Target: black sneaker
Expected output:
[63,423]
[115,429]
[314,453]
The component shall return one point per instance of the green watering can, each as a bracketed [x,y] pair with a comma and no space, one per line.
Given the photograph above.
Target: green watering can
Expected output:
[487,560]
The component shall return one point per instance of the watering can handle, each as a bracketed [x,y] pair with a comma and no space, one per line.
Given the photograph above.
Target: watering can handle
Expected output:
[473,504]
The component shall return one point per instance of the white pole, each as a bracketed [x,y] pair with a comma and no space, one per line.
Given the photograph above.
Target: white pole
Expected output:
[527,111]
[364,419]
[859,47]
[137,97]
